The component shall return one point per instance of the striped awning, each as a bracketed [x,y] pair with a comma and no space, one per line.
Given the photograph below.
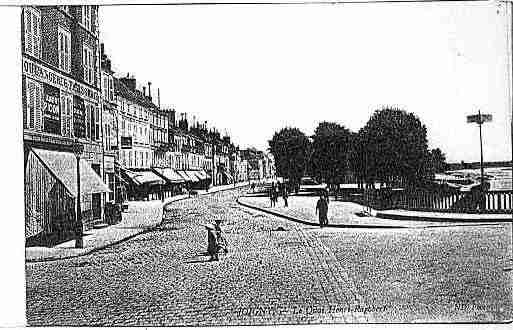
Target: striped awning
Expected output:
[148,177]
[187,177]
[63,165]
[202,175]
[169,174]
[194,174]
[228,176]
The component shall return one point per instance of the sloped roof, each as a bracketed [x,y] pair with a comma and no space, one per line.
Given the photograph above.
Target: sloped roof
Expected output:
[134,96]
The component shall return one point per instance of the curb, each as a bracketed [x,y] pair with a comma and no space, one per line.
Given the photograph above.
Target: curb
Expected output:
[436,219]
[95,249]
[288,217]
[124,239]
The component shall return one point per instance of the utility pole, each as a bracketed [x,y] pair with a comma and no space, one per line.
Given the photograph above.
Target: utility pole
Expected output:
[480,119]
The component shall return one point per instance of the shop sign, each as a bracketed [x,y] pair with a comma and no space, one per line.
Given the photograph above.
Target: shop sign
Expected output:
[41,73]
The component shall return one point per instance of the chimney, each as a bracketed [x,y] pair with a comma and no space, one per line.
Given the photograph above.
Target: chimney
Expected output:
[144,90]
[149,90]
[158,96]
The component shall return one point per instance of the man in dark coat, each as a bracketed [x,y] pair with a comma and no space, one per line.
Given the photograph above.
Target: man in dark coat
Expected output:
[322,209]
[271,194]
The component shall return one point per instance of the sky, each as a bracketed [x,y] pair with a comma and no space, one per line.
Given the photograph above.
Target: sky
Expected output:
[254,69]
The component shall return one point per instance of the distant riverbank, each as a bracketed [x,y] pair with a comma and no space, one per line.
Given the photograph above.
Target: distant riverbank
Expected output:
[499,177]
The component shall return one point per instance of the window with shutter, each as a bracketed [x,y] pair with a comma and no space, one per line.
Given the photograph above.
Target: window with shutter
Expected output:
[88,120]
[29,104]
[64,41]
[105,87]
[111,89]
[79,122]
[91,68]
[67,114]
[28,30]
[36,31]
[97,122]
[38,111]
[87,63]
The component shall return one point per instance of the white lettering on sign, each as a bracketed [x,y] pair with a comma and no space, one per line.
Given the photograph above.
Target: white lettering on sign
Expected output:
[39,72]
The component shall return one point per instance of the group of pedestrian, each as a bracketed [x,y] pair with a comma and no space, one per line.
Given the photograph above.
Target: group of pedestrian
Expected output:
[322,209]
[276,190]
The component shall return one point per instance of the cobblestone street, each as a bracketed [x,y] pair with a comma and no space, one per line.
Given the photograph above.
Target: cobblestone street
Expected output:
[277,272]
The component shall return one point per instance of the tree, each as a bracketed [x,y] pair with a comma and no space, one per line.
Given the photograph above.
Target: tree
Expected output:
[290,148]
[438,163]
[392,146]
[330,152]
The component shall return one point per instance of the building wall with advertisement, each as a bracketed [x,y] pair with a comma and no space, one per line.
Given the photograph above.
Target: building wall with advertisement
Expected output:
[61,100]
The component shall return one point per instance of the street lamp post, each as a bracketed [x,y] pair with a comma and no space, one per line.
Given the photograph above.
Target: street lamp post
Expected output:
[79,241]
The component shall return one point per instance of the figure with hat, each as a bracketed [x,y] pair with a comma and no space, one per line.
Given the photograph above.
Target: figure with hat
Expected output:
[322,209]
[216,240]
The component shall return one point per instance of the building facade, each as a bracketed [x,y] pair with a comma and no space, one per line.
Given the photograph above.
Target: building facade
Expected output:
[61,101]
[109,116]
[135,113]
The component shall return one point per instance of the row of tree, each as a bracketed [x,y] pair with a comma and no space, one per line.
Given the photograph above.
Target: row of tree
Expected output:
[391,148]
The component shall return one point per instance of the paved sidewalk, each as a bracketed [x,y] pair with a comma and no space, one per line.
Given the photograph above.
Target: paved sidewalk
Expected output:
[141,217]
[346,214]
[442,216]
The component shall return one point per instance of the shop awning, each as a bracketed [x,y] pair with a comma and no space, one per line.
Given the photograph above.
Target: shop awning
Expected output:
[130,175]
[148,177]
[202,175]
[228,176]
[169,174]
[63,165]
[194,174]
[187,177]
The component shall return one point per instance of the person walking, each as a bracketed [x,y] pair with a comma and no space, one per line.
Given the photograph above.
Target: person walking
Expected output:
[322,210]
[271,194]
[212,243]
[285,195]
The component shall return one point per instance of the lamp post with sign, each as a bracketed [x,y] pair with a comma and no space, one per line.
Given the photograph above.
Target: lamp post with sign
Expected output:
[480,119]
[78,149]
